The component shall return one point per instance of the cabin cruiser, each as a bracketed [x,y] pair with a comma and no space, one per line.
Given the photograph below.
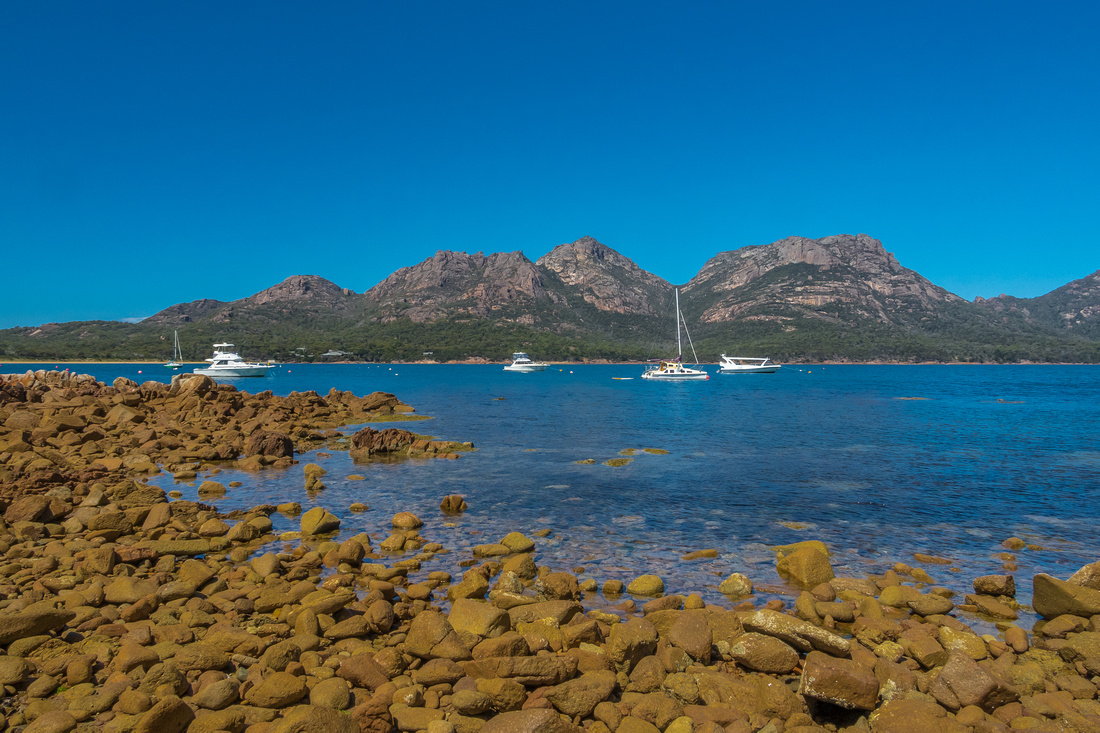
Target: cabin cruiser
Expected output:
[672,370]
[522,363]
[747,365]
[226,363]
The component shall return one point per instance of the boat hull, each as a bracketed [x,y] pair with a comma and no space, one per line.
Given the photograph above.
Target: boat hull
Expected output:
[525,368]
[666,377]
[249,371]
[770,369]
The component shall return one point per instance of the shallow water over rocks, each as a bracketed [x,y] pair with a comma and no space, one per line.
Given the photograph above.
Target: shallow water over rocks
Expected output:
[879,462]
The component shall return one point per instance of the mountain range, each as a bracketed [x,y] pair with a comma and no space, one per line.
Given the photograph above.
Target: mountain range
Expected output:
[841,297]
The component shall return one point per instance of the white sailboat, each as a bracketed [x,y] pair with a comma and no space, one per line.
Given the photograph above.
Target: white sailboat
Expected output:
[177,353]
[672,370]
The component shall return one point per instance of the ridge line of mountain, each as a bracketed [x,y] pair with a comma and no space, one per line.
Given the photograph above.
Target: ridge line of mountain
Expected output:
[840,296]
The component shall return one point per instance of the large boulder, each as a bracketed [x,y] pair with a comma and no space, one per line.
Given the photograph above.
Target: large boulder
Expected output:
[646,585]
[277,690]
[542,720]
[1088,576]
[478,617]
[431,636]
[169,715]
[764,653]
[269,443]
[914,716]
[32,623]
[631,641]
[1052,597]
[579,697]
[842,682]
[319,520]
[528,671]
[314,719]
[806,567]
[963,682]
[802,635]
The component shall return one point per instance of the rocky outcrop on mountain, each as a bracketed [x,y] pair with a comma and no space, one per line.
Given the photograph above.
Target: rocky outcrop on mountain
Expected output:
[606,279]
[185,312]
[308,294]
[853,275]
[456,283]
[304,288]
[1074,307]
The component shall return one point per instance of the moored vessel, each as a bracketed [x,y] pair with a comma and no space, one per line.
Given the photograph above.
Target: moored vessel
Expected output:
[747,365]
[523,363]
[673,370]
[226,363]
[177,353]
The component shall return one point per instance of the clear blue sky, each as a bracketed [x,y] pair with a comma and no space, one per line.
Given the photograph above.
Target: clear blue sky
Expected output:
[155,152]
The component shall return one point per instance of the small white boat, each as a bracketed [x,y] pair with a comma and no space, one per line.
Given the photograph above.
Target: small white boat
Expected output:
[177,353]
[522,363]
[672,370]
[226,363]
[747,365]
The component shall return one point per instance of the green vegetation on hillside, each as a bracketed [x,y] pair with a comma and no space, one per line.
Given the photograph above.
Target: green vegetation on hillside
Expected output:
[826,337]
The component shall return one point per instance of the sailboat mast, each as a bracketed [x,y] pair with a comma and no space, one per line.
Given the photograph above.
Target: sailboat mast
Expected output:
[679,348]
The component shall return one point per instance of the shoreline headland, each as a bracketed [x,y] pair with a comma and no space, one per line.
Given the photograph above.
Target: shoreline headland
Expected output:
[125,608]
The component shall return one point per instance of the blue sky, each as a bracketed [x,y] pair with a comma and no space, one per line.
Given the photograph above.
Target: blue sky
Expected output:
[155,153]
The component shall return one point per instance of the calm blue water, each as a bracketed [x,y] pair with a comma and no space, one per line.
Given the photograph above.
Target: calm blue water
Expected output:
[987,452]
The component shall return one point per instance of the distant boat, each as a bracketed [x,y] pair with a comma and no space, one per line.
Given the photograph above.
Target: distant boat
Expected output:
[177,353]
[747,365]
[672,370]
[227,363]
[522,363]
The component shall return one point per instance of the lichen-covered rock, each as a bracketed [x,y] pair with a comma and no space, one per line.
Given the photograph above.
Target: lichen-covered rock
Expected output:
[736,585]
[763,653]
[478,618]
[319,520]
[963,682]
[1052,597]
[579,697]
[277,690]
[453,504]
[840,682]
[646,585]
[314,719]
[806,567]
[529,721]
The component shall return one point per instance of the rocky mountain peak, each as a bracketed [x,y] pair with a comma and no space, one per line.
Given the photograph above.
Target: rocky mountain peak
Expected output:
[606,279]
[850,272]
[1074,307]
[301,288]
[456,283]
[185,312]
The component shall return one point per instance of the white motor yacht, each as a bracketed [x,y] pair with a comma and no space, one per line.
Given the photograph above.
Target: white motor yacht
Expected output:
[672,370]
[747,365]
[226,363]
[522,363]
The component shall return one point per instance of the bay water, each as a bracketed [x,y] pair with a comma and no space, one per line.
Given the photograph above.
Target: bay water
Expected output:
[878,462]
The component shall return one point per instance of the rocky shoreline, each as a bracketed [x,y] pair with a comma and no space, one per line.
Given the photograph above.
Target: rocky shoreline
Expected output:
[122,610]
